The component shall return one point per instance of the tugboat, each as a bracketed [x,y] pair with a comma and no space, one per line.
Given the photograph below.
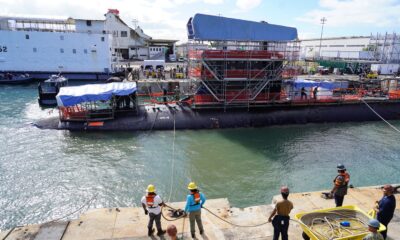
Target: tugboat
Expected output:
[49,89]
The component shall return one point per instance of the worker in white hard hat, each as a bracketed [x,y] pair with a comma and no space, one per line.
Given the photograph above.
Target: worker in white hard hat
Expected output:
[373,226]
[280,215]
[194,202]
[151,204]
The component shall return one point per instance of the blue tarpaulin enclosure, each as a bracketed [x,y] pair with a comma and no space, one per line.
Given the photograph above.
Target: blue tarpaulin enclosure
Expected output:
[299,83]
[215,28]
[70,96]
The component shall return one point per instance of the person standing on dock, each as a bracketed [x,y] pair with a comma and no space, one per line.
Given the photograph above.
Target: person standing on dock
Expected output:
[315,92]
[373,227]
[303,93]
[194,202]
[151,204]
[340,185]
[281,215]
[385,207]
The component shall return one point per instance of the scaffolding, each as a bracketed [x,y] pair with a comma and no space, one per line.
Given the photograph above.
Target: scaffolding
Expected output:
[386,47]
[240,74]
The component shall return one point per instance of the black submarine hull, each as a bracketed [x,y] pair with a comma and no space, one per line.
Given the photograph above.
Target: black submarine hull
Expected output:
[164,117]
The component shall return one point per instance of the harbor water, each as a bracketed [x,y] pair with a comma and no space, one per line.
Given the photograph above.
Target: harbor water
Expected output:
[46,174]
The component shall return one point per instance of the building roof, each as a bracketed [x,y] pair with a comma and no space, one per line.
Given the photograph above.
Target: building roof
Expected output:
[216,28]
[335,38]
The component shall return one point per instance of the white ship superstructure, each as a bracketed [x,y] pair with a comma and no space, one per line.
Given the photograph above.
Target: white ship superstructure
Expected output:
[78,48]
[42,46]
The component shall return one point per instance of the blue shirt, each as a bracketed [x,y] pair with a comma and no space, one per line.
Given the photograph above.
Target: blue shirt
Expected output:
[191,205]
[387,205]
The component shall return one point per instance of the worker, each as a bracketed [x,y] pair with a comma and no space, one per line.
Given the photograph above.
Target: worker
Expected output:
[303,93]
[194,202]
[373,226]
[315,91]
[385,207]
[281,215]
[172,232]
[177,93]
[151,204]
[165,93]
[340,185]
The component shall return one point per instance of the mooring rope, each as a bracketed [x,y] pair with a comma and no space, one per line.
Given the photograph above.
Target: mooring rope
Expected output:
[172,160]
[77,210]
[396,129]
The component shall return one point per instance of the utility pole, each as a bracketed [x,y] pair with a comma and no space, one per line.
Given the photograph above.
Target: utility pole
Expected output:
[323,20]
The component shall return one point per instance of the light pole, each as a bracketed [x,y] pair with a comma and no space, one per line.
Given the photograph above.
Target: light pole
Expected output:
[323,20]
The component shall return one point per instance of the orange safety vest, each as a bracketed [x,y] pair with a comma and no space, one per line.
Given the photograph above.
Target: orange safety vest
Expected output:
[197,198]
[346,179]
[150,200]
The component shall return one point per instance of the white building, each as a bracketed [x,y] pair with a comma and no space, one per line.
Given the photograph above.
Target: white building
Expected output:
[375,48]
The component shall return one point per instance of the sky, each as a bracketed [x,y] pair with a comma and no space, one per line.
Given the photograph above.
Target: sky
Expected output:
[166,19]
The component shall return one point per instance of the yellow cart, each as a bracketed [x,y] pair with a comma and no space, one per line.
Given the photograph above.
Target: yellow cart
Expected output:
[340,223]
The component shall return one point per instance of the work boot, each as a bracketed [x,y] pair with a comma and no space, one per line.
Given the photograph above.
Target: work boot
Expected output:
[162,232]
[150,232]
[193,235]
[201,232]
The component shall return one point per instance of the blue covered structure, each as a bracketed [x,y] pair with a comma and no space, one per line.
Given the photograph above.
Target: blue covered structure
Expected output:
[329,85]
[215,28]
[70,96]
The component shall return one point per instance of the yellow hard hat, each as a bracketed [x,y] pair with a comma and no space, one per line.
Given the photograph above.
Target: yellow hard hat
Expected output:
[192,186]
[151,188]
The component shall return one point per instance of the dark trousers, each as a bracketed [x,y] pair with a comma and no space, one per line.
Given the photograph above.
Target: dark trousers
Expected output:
[339,200]
[385,222]
[153,217]
[303,95]
[281,226]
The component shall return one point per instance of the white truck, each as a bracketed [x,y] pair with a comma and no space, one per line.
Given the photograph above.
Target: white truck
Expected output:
[153,64]
[385,69]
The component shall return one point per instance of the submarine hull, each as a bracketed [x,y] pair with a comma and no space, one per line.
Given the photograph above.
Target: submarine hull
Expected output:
[164,117]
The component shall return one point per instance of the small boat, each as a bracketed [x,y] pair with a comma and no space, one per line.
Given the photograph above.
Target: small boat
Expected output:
[49,89]
[9,78]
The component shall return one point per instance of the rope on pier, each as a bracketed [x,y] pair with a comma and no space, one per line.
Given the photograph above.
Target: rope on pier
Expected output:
[390,125]
[77,210]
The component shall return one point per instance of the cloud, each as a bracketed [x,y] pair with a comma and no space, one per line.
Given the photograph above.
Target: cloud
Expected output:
[246,5]
[215,2]
[343,13]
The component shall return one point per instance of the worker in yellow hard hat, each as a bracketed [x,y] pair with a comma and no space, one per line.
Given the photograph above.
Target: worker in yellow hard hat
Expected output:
[194,202]
[151,204]
[280,215]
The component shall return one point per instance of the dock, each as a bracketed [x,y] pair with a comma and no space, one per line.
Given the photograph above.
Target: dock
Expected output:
[131,223]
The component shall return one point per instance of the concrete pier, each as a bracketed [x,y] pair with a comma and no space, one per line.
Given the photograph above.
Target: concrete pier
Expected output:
[130,223]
